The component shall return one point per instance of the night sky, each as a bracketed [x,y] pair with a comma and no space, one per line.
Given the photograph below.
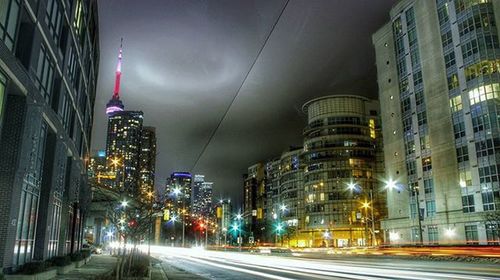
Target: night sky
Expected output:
[183,62]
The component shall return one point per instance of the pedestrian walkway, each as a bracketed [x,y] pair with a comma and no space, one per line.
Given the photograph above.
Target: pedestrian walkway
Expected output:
[97,266]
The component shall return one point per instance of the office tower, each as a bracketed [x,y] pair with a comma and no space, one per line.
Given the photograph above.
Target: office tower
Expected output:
[178,191]
[439,85]
[48,78]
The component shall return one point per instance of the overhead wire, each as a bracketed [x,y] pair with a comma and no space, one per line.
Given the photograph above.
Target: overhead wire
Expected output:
[240,87]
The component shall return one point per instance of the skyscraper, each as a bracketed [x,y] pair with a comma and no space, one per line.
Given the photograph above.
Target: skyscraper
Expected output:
[439,86]
[178,191]
[201,197]
[123,149]
[123,141]
[147,159]
[254,196]
[48,78]
[196,193]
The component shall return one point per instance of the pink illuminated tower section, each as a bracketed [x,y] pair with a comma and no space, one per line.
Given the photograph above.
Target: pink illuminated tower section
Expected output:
[116,92]
[115,104]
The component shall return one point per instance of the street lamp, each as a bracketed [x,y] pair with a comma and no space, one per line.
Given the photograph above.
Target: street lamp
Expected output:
[124,203]
[238,227]
[279,228]
[390,185]
[354,187]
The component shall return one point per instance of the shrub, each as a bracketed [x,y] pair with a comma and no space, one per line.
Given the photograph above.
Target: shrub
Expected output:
[77,256]
[139,267]
[61,260]
[33,268]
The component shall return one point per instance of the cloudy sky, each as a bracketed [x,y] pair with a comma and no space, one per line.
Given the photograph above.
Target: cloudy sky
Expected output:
[183,62]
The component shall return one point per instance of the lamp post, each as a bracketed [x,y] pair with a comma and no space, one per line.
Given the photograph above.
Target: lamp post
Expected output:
[178,193]
[239,217]
[365,205]
[394,185]
[150,195]
[283,208]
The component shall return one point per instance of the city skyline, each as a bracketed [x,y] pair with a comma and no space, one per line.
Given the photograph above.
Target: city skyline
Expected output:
[257,139]
[154,62]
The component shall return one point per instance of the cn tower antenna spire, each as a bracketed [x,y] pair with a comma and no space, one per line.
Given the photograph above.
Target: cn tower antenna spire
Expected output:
[115,104]
[118,74]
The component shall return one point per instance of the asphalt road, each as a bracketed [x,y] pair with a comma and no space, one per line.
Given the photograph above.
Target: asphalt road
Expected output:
[180,264]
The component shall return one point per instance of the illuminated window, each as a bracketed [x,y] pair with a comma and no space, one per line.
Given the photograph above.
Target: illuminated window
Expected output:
[456,103]
[372,128]
[322,196]
[483,93]
[426,164]
[485,67]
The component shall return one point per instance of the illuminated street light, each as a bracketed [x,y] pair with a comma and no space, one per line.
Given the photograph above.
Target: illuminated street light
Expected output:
[177,191]
[109,234]
[124,203]
[283,207]
[173,218]
[365,205]
[449,232]
[393,236]
[351,186]
[391,184]
[414,190]
[235,227]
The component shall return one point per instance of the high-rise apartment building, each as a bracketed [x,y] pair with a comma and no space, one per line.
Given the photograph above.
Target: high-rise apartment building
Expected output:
[438,65]
[326,193]
[49,53]
[254,196]
[339,169]
[147,160]
[289,207]
[123,149]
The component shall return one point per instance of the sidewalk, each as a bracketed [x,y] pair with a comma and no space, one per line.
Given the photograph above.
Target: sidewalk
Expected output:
[98,265]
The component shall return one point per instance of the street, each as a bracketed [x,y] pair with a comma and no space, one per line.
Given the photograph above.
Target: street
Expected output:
[181,263]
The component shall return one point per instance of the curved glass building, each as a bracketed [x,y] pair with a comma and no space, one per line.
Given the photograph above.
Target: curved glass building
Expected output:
[339,158]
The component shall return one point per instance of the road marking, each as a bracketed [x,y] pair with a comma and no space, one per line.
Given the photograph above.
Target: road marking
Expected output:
[238,269]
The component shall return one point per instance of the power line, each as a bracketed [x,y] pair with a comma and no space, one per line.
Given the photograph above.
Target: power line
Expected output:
[239,88]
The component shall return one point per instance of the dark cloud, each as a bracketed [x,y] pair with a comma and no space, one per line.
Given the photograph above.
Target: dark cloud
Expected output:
[184,61]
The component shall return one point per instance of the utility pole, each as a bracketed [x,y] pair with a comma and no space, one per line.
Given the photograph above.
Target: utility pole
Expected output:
[206,234]
[374,238]
[366,226]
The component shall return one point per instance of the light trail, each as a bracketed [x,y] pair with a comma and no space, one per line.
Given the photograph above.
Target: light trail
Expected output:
[271,266]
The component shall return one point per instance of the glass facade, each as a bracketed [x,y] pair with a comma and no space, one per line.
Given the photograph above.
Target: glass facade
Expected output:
[339,151]
[479,48]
